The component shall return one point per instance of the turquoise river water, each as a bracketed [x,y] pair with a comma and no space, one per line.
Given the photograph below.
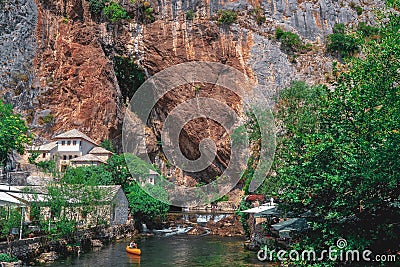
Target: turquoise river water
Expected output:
[177,250]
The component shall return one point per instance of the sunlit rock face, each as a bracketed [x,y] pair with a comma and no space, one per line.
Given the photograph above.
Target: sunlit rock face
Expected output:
[57,62]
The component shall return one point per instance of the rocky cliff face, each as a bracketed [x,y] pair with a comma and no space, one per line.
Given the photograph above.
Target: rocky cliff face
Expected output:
[57,59]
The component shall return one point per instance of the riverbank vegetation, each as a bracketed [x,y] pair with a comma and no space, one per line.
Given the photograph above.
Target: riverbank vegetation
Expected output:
[13,132]
[337,154]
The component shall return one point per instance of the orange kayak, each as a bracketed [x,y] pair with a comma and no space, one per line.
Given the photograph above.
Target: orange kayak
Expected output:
[135,251]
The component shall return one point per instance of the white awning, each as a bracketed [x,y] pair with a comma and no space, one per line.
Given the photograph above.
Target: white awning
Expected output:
[260,208]
[7,200]
[29,197]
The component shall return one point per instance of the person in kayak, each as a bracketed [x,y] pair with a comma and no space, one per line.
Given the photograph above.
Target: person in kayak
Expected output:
[133,244]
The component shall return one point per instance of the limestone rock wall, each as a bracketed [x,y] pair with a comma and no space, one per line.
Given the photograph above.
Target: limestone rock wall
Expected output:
[56,62]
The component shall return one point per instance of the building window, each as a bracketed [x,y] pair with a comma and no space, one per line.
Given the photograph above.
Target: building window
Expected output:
[74,143]
[69,143]
[70,156]
[65,157]
[63,143]
[44,155]
[76,156]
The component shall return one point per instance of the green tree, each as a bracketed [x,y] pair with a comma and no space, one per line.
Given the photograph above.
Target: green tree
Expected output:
[144,207]
[107,144]
[88,175]
[13,132]
[10,218]
[341,44]
[116,165]
[340,154]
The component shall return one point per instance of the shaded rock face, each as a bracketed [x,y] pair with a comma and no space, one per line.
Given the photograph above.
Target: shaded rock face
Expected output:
[56,63]
[18,20]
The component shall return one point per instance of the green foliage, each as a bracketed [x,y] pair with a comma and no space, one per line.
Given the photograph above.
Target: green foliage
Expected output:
[114,12]
[65,227]
[9,219]
[243,205]
[223,198]
[291,42]
[359,10]
[7,258]
[32,158]
[149,14]
[393,3]
[47,166]
[65,20]
[107,144]
[64,197]
[339,28]
[97,6]
[130,76]
[356,8]
[190,15]
[13,132]
[88,175]
[227,16]
[115,172]
[252,129]
[342,44]
[144,207]
[48,118]
[367,30]
[339,154]
[116,165]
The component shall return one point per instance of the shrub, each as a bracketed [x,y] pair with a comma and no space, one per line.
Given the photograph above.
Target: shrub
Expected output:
[278,33]
[97,6]
[149,14]
[65,20]
[339,28]
[359,10]
[190,15]
[47,166]
[114,12]
[367,30]
[7,258]
[227,16]
[342,44]
[291,42]
[48,118]
[260,19]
